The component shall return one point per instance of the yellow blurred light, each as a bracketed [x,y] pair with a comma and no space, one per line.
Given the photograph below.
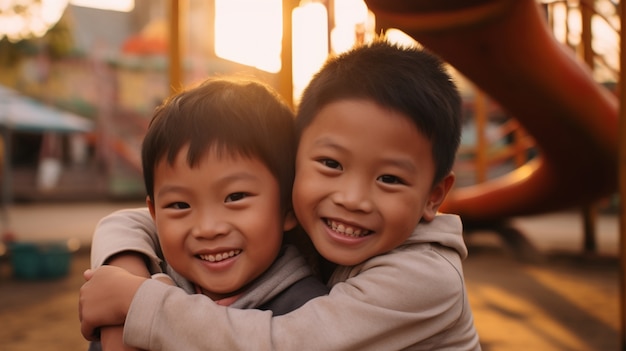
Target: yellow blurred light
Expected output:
[350,12]
[27,19]
[112,5]
[342,39]
[249,32]
[309,44]
[559,27]
[399,37]
[354,25]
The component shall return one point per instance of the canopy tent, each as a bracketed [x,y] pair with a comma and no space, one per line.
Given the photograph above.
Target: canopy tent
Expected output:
[21,113]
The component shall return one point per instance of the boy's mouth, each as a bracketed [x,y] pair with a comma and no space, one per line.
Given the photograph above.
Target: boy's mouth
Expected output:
[219,256]
[346,229]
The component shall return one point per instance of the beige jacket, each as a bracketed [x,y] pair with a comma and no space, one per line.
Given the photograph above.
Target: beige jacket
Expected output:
[412,298]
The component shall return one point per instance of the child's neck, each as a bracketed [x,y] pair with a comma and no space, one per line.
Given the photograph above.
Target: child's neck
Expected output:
[220,299]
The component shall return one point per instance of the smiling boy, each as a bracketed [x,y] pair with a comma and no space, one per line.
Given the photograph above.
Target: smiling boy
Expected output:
[218,174]
[349,217]
[378,128]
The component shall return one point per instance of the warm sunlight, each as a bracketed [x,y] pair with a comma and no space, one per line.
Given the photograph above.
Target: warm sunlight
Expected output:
[310,47]
[567,28]
[399,37]
[23,19]
[351,19]
[249,32]
[113,5]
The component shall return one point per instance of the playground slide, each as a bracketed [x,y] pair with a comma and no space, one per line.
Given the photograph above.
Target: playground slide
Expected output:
[506,48]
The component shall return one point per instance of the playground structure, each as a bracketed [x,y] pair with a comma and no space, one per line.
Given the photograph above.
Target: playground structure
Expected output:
[506,48]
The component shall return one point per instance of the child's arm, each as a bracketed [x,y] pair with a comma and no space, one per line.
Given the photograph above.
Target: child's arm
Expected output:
[101,292]
[123,239]
[390,305]
[125,234]
[111,338]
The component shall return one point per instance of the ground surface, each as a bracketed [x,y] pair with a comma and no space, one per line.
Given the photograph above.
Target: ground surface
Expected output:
[557,303]
[525,295]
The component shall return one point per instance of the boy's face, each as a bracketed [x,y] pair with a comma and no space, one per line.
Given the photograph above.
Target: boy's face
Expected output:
[220,224]
[363,180]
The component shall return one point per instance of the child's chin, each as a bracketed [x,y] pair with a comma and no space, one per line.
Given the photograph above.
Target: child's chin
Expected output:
[341,258]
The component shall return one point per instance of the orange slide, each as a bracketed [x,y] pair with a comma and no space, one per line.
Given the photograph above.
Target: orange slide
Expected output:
[506,48]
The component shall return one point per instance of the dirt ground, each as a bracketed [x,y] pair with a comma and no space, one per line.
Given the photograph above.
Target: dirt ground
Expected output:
[41,315]
[559,303]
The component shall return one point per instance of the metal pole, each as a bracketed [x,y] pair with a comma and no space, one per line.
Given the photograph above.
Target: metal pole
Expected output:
[480,119]
[175,47]
[589,210]
[285,83]
[622,172]
[7,180]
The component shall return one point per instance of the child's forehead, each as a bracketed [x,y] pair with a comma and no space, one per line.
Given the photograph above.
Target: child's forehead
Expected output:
[358,126]
[216,150]
[215,165]
[374,115]
[364,103]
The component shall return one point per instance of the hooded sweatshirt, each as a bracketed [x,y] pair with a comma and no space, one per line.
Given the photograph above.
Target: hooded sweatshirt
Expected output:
[285,286]
[411,298]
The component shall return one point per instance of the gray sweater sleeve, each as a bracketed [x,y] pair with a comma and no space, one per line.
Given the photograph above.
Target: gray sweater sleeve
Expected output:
[126,230]
[411,298]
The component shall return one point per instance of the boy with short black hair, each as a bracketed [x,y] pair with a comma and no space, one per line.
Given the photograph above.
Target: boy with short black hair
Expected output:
[218,166]
[378,129]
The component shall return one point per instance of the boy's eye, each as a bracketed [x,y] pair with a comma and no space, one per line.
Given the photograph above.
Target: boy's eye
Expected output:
[330,163]
[235,197]
[390,179]
[178,205]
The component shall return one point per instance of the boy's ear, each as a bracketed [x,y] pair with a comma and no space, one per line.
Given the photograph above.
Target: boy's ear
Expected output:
[150,207]
[290,221]
[437,194]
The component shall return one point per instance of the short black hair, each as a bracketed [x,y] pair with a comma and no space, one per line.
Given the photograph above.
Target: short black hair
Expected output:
[238,115]
[406,79]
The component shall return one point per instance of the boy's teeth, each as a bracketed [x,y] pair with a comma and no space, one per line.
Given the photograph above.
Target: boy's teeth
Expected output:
[347,230]
[220,256]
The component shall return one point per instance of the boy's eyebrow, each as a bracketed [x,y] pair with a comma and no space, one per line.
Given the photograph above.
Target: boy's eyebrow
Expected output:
[243,175]
[329,142]
[324,140]
[403,163]
[171,188]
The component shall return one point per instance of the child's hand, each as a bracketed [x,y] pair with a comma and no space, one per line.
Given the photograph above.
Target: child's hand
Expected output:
[105,298]
[111,340]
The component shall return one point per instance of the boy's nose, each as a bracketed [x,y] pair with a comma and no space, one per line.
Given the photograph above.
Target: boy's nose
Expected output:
[209,227]
[354,195]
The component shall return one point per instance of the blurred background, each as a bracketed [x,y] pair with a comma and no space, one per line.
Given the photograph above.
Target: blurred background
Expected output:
[79,80]
[78,83]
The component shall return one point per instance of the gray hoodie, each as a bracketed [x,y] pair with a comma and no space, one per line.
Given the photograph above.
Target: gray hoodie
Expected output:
[412,298]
